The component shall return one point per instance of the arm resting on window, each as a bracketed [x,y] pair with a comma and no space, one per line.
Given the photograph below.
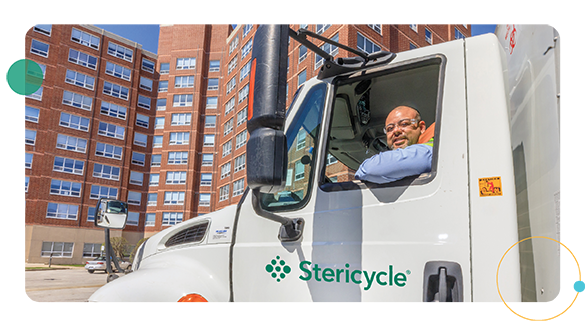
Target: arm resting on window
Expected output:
[390,166]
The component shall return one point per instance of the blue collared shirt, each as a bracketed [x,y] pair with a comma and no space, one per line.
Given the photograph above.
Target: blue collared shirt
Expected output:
[390,166]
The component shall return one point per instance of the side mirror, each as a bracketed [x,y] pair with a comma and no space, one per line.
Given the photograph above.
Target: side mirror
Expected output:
[111,214]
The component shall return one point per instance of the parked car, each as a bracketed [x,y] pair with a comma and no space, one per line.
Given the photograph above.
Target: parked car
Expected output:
[99,263]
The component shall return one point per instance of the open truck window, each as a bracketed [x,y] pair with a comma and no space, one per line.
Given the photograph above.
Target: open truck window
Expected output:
[360,107]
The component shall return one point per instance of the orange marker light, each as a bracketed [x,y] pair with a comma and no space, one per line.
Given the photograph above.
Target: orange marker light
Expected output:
[251,92]
[192,307]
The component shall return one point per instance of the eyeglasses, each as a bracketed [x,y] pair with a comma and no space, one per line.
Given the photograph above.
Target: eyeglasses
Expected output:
[402,124]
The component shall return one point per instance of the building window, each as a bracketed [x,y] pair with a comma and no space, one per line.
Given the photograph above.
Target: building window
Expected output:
[206,179]
[246,29]
[161,104]
[180,119]
[70,166]
[43,29]
[111,130]
[176,177]
[208,140]
[224,192]
[106,172]
[17,184]
[152,198]
[57,249]
[211,102]
[155,160]
[204,199]
[71,143]
[113,110]
[299,171]
[240,163]
[140,139]
[230,105]
[62,211]
[163,86]
[247,48]
[241,139]
[458,34]
[138,158]
[206,159]
[245,71]
[414,27]
[120,51]
[184,81]
[302,53]
[77,100]
[79,79]
[38,95]
[243,94]
[20,136]
[232,64]
[213,66]
[74,122]
[238,187]
[91,214]
[230,85]
[179,138]
[116,90]
[150,219]
[133,218]
[428,36]
[226,170]
[185,63]
[83,59]
[159,122]
[228,127]
[118,71]
[23,113]
[157,141]
[136,178]
[330,159]
[233,44]
[213,84]
[85,39]
[330,49]
[142,120]
[39,48]
[365,44]
[412,46]
[19,160]
[165,68]
[92,250]
[301,139]
[98,192]
[174,198]
[172,218]
[108,151]
[154,178]
[226,148]
[322,28]
[178,158]
[145,83]
[182,100]
[302,78]
[65,188]
[376,27]
[242,116]
[210,121]
[147,65]
[134,198]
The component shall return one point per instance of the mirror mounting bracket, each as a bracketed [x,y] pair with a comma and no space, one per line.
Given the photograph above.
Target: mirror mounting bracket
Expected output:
[291,229]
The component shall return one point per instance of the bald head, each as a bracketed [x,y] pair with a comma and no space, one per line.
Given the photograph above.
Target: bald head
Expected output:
[403,127]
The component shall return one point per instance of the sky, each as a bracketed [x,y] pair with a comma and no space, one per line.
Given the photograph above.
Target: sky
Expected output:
[147,35]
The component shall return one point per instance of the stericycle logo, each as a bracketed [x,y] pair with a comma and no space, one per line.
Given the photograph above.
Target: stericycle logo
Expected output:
[278,269]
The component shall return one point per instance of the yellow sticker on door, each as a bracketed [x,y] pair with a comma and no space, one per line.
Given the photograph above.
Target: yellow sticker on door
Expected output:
[490,186]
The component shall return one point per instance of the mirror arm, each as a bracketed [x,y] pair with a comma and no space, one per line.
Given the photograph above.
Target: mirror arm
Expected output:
[290,229]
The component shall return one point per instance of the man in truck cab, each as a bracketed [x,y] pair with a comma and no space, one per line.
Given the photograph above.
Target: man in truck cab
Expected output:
[406,156]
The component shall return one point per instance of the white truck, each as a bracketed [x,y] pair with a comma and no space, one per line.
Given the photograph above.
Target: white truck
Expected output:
[305,230]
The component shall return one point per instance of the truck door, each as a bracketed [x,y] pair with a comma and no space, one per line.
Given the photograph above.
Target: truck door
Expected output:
[402,241]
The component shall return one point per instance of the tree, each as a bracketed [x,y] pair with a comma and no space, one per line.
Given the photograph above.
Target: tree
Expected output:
[133,254]
[120,246]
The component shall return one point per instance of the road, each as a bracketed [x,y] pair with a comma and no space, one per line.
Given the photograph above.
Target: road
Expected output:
[63,285]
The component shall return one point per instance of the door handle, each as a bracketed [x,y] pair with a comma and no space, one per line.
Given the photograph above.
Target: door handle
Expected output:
[443,282]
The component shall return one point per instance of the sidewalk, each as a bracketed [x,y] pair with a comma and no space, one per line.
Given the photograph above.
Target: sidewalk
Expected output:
[42,266]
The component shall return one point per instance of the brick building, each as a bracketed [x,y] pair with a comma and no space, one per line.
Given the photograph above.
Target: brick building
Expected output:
[165,132]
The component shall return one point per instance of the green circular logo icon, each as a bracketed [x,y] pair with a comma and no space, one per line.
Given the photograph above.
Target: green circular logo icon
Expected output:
[277,269]
[25,77]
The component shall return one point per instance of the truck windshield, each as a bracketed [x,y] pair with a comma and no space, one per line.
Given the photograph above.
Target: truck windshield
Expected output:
[302,138]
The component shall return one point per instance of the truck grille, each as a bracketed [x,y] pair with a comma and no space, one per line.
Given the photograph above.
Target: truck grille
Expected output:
[189,235]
